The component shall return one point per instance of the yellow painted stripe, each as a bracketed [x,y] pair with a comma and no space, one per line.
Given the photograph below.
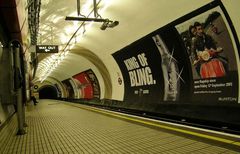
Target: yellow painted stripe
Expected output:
[163,126]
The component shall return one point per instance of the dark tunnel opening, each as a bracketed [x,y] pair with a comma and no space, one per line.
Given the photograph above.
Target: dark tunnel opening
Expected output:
[48,92]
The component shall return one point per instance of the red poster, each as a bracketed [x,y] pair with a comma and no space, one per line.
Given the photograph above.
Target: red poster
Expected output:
[85,85]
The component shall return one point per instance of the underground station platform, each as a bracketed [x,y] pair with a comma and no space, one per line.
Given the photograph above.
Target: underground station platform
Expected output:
[64,127]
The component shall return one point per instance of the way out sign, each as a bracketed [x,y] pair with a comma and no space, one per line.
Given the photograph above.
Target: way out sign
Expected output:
[46,49]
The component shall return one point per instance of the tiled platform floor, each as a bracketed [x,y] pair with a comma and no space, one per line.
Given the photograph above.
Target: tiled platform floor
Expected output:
[54,127]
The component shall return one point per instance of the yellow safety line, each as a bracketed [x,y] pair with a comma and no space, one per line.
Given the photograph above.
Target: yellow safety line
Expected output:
[167,127]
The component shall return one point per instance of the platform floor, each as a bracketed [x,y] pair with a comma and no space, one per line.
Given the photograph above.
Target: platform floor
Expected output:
[58,127]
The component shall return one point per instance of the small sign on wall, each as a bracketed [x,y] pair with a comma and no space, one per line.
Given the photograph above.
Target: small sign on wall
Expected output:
[46,49]
[35,86]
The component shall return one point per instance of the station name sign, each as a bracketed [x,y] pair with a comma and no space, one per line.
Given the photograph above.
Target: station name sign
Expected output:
[46,49]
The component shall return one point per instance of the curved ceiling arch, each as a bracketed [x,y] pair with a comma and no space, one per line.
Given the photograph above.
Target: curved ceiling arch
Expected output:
[97,46]
[98,63]
[92,58]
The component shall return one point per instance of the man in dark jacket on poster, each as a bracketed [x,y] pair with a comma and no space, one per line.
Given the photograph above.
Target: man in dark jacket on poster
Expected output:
[207,60]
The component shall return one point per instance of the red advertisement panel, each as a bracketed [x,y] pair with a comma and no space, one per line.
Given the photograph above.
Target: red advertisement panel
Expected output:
[85,85]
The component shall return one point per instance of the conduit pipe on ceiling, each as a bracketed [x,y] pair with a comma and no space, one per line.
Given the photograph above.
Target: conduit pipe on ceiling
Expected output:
[33,19]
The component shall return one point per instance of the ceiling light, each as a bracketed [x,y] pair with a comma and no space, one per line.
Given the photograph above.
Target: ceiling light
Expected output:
[109,24]
[97,17]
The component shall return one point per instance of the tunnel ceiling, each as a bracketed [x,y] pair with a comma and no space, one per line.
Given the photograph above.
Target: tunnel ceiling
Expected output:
[136,19]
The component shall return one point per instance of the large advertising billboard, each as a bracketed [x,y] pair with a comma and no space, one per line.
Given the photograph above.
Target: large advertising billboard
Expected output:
[191,60]
[84,85]
[154,69]
[212,54]
[87,84]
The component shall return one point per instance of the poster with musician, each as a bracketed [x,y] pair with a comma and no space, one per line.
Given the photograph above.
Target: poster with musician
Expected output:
[213,56]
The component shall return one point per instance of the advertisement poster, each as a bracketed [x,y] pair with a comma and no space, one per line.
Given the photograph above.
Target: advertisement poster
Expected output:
[84,85]
[138,63]
[95,84]
[191,60]
[59,92]
[77,88]
[212,55]
[153,69]
[69,88]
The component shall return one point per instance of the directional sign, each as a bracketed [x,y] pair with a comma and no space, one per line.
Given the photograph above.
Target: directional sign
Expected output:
[46,49]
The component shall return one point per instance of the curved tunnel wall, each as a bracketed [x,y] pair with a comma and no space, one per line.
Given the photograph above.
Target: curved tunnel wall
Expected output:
[82,59]
[84,85]
[99,64]
[163,75]
[160,78]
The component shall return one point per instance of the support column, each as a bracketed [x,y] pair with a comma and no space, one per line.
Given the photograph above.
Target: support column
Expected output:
[18,81]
